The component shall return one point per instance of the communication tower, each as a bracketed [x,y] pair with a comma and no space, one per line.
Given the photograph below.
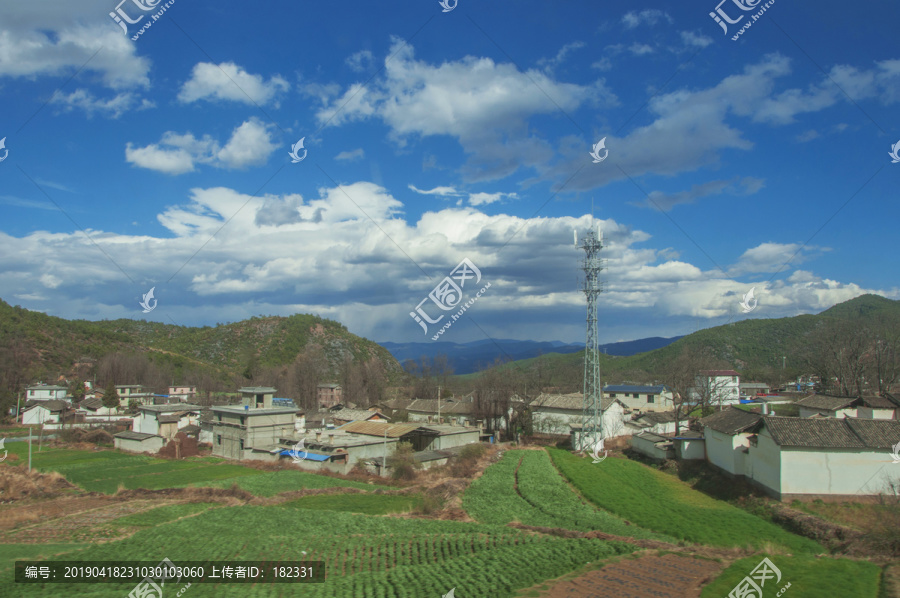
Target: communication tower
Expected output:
[592,414]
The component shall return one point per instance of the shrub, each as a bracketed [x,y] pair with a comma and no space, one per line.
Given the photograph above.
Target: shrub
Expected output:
[403,465]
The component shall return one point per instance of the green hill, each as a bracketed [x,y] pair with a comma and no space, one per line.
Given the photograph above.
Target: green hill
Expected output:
[753,347]
[56,344]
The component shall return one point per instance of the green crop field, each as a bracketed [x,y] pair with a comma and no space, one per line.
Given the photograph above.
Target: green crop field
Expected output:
[661,503]
[363,555]
[370,504]
[271,483]
[543,498]
[808,577]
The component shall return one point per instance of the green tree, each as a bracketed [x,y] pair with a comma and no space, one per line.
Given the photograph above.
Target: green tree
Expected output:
[110,396]
[76,389]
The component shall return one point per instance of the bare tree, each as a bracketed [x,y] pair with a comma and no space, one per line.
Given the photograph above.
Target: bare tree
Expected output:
[493,391]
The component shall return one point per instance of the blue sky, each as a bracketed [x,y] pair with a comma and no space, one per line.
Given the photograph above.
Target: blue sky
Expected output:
[436,136]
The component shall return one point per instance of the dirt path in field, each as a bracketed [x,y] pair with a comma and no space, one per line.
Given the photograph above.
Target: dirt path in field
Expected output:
[667,576]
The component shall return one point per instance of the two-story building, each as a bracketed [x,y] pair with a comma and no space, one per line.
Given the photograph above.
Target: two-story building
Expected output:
[641,398]
[252,429]
[165,420]
[185,394]
[329,395]
[45,392]
[717,387]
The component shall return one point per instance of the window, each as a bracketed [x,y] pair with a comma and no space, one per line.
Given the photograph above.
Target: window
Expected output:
[612,395]
[242,420]
[242,444]
[218,439]
[219,417]
[650,399]
[734,378]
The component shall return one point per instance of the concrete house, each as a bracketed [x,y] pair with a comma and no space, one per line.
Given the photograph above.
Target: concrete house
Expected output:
[252,430]
[45,412]
[45,392]
[654,446]
[165,420]
[815,457]
[329,395]
[727,436]
[721,387]
[94,409]
[125,390]
[657,422]
[556,414]
[138,442]
[828,406]
[183,393]
[641,398]
[885,407]
[461,413]
[751,389]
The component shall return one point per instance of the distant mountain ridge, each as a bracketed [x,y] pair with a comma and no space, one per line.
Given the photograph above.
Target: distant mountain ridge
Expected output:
[467,358]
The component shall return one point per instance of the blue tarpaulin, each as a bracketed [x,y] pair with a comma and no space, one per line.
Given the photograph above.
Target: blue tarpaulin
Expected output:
[307,456]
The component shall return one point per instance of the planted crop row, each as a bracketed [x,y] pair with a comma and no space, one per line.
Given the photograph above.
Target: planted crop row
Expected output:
[662,503]
[543,498]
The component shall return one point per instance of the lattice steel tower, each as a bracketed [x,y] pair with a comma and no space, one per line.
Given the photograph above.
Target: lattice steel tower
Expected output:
[592,414]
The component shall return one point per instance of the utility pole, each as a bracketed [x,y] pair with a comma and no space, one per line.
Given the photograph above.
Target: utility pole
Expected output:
[439,405]
[29,448]
[384,459]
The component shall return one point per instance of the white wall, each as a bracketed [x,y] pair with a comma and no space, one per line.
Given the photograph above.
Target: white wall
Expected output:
[839,414]
[37,415]
[872,413]
[723,450]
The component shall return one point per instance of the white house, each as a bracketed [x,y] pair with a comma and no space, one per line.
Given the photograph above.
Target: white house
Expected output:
[828,406]
[557,414]
[727,437]
[641,398]
[165,420]
[124,390]
[183,393]
[805,458]
[659,422]
[45,392]
[719,387]
[886,407]
[40,412]
[652,445]
[138,442]
[751,389]
[93,407]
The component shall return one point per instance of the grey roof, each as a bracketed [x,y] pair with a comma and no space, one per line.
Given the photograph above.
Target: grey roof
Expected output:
[833,433]
[172,418]
[257,389]
[51,405]
[754,385]
[238,409]
[170,407]
[885,402]
[638,389]
[568,402]
[827,402]
[128,435]
[356,414]
[652,437]
[46,387]
[191,429]
[328,386]
[92,403]
[731,421]
[660,417]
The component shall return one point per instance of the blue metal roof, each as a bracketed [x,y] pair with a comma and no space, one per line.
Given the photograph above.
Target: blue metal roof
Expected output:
[308,456]
[629,388]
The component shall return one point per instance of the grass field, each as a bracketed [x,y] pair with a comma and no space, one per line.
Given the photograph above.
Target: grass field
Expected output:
[369,504]
[364,556]
[808,576]
[543,498]
[271,483]
[664,504]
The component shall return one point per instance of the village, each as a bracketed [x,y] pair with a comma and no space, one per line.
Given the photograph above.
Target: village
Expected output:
[789,443]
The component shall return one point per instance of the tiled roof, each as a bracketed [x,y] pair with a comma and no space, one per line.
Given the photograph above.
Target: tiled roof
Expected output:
[449,407]
[52,405]
[638,389]
[192,429]
[172,418]
[397,403]
[833,433]
[135,435]
[378,428]
[45,387]
[828,402]
[659,417]
[719,373]
[652,437]
[355,414]
[93,403]
[731,421]
[170,408]
[569,402]
[880,402]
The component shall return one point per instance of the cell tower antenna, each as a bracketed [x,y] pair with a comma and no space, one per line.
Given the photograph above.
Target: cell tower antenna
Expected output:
[591,411]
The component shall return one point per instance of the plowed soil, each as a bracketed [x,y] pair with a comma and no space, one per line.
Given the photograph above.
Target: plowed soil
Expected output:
[667,576]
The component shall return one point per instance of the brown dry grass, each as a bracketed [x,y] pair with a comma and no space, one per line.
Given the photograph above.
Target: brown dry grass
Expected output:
[17,483]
